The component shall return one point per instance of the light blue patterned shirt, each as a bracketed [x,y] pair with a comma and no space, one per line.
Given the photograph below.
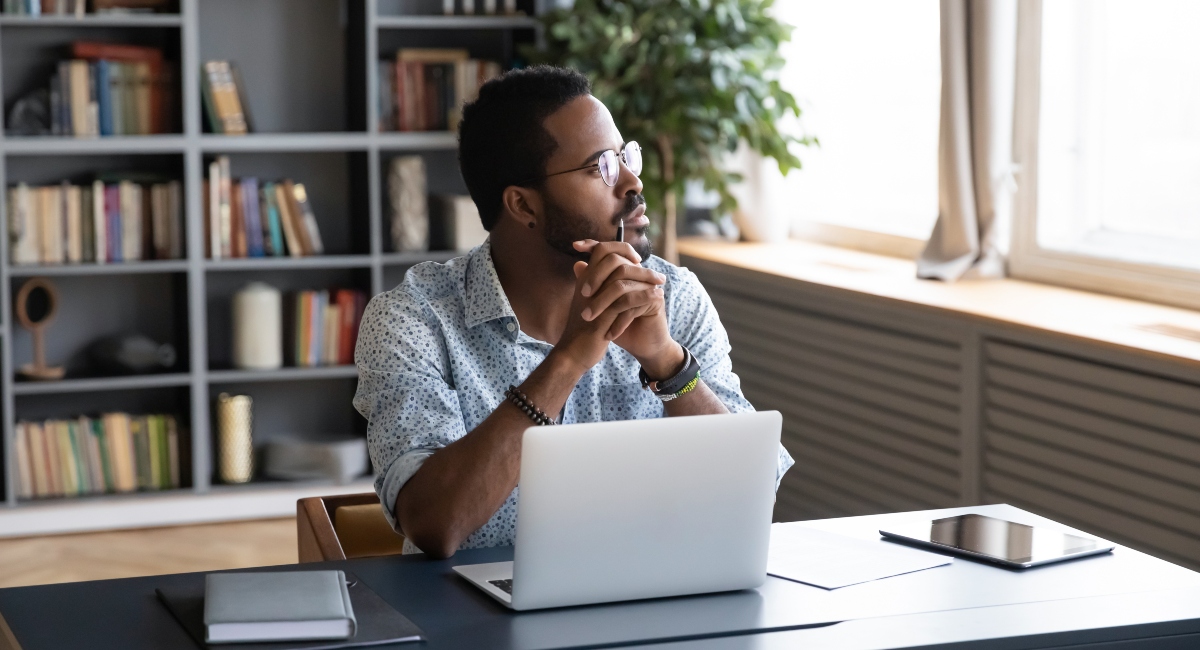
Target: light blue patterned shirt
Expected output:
[436,354]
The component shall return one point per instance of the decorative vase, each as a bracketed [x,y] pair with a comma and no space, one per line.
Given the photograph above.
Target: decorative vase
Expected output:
[235,443]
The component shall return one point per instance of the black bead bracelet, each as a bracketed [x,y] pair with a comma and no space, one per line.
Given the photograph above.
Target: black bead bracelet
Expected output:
[521,401]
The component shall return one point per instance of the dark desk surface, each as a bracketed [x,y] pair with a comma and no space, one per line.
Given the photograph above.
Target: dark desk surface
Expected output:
[1125,596]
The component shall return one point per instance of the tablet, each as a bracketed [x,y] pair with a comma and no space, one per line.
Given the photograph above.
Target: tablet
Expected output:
[995,540]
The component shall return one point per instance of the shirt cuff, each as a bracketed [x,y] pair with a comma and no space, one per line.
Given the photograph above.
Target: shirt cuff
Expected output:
[397,475]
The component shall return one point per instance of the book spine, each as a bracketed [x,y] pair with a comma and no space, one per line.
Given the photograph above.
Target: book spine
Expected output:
[38,457]
[254,226]
[283,204]
[214,210]
[99,223]
[311,229]
[74,196]
[271,210]
[173,451]
[113,238]
[237,219]
[226,215]
[25,479]
[106,459]
[87,236]
[175,220]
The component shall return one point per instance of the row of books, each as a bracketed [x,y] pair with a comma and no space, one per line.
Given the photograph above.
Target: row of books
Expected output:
[78,8]
[114,221]
[424,89]
[111,89]
[326,326]
[116,452]
[246,218]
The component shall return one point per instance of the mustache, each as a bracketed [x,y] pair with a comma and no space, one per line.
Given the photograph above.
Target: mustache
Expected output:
[632,202]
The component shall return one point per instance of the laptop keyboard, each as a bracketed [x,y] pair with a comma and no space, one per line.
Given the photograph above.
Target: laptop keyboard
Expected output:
[503,585]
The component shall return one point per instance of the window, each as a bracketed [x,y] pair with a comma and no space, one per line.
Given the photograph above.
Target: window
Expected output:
[1112,148]
[867,76]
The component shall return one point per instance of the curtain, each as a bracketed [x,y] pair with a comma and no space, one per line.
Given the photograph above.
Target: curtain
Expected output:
[975,170]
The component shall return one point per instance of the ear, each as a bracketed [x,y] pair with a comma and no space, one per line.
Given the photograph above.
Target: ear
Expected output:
[522,204]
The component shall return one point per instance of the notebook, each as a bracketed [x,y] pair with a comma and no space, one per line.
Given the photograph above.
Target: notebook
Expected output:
[277,606]
[377,623]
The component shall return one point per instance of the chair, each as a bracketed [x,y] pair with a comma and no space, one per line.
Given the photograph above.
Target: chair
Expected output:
[344,527]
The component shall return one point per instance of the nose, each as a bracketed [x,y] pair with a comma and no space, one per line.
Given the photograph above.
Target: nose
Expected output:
[628,181]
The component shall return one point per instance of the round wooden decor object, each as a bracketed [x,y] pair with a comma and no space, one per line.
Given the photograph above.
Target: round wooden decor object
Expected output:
[44,310]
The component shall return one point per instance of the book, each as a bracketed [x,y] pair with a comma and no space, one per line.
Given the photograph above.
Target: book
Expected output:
[376,622]
[74,221]
[130,210]
[225,215]
[251,218]
[313,244]
[296,217]
[274,223]
[287,218]
[221,101]
[24,226]
[237,225]
[25,478]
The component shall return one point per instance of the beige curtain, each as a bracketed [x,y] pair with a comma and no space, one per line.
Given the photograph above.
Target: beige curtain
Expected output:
[975,171]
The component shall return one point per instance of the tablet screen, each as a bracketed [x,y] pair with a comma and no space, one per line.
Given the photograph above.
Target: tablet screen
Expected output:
[1004,540]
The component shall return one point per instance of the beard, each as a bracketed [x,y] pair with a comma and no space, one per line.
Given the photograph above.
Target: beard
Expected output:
[564,228]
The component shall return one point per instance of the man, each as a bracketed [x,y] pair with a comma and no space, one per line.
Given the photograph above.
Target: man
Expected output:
[550,305]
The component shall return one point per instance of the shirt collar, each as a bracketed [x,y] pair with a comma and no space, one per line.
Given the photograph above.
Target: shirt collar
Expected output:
[486,300]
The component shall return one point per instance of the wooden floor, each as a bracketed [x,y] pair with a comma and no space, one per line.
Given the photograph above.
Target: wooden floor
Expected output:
[154,551]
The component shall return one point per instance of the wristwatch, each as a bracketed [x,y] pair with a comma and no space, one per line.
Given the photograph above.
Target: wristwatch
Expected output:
[682,383]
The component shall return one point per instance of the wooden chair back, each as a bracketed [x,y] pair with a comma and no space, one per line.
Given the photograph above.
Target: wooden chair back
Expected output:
[342,527]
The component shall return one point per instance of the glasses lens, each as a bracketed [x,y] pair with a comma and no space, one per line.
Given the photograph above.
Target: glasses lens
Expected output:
[633,158]
[609,169]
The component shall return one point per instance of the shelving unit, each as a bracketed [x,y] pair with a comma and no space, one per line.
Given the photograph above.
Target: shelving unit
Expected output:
[309,69]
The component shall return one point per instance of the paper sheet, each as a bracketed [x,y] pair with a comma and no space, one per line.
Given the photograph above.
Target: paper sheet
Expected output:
[832,561]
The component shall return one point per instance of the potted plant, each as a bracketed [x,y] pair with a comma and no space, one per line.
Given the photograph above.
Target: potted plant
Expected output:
[689,79]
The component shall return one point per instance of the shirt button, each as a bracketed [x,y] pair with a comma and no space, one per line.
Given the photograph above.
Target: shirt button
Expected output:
[512,327]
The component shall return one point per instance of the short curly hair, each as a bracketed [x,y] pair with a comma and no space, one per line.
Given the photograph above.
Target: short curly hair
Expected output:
[501,138]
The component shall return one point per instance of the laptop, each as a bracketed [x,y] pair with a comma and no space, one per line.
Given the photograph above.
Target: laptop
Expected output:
[615,511]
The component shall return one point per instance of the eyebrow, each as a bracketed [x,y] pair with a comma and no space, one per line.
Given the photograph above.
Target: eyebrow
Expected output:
[597,153]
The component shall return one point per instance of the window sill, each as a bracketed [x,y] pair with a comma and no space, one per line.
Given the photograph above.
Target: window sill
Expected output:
[1096,318]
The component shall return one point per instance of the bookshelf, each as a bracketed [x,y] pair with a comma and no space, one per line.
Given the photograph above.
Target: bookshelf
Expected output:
[309,68]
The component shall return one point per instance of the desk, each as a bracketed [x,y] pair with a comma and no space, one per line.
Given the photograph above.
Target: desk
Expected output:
[1121,601]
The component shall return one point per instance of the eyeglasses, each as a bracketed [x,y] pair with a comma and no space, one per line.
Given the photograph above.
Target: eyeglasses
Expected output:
[610,169]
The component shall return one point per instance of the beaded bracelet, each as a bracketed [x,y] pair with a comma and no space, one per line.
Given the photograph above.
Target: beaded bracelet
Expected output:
[521,401]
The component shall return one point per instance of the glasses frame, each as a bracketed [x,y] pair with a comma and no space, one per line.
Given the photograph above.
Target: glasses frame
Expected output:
[622,156]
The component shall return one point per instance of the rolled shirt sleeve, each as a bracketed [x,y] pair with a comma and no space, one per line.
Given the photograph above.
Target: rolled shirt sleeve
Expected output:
[403,392]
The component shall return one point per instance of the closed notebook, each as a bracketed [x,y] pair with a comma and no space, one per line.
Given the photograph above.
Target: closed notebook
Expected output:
[377,623]
[277,606]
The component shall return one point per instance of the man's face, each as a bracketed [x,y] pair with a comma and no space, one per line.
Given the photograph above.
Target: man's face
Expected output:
[578,205]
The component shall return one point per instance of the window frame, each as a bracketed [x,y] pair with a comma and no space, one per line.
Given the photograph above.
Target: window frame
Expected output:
[1030,261]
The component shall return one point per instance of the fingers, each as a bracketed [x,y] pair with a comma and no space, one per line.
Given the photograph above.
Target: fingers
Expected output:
[649,297]
[621,323]
[622,283]
[615,267]
[599,249]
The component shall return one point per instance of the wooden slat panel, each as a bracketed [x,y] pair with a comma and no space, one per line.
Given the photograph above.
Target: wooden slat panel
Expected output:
[889,421]
[915,455]
[1096,518]
[841,474]
[1179,447]
[782,356]
[1137,411]
[871,467]
[1077,442]
[1117,380]
[749,362]
[1172,495]
[753,325]
[852,333]
[1163,516]
[814,499]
